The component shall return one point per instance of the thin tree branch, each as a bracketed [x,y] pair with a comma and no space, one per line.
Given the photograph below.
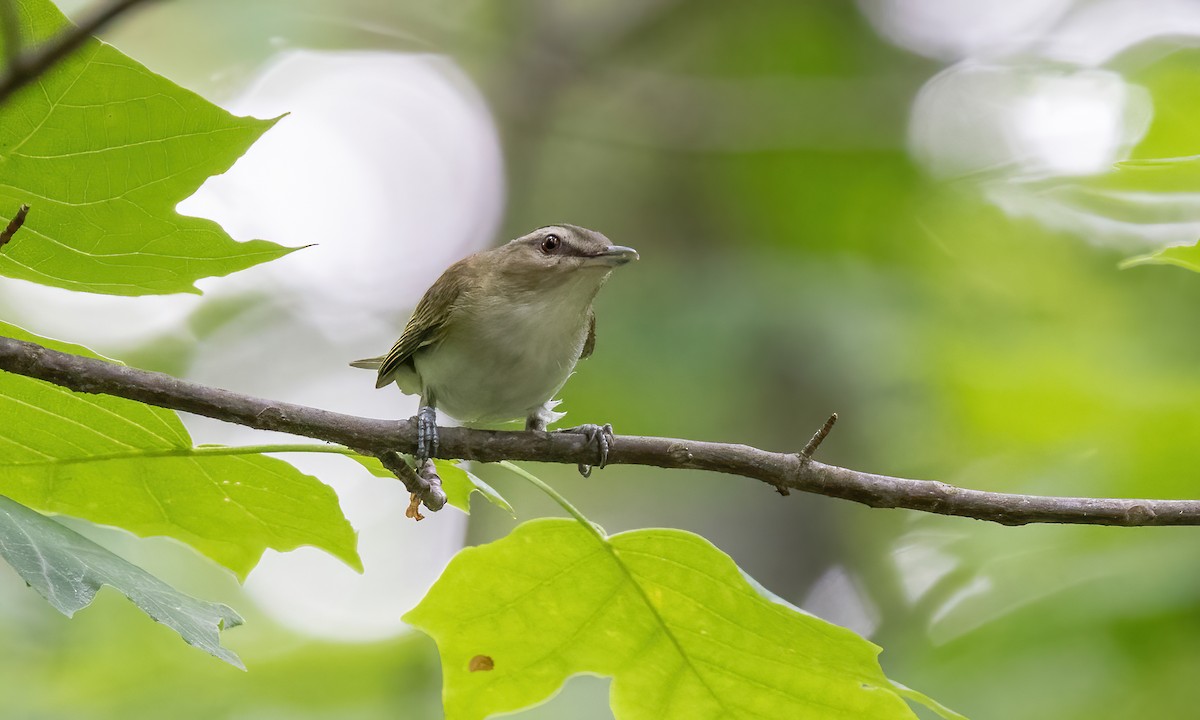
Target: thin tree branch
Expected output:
[24,68]
[381,437]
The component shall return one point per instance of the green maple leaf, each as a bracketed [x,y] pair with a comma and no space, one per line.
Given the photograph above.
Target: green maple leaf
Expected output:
[103,150]
[118,462]
[67,570]
[664,613]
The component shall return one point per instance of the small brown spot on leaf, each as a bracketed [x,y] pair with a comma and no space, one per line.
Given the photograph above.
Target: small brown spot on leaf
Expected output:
[481,663]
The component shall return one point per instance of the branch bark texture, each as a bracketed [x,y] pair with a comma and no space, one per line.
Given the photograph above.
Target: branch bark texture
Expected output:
[783,471]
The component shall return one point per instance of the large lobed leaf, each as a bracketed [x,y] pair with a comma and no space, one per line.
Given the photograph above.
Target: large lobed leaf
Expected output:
[68,569]
[103,150]
[666,614]
[118,462]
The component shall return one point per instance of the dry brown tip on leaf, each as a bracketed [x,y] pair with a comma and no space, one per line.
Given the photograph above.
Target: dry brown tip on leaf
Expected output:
[414,508]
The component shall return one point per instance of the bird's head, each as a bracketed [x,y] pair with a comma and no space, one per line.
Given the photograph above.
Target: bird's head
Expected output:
[558,255]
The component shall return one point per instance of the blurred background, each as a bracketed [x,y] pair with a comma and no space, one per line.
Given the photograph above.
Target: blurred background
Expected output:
[905,211]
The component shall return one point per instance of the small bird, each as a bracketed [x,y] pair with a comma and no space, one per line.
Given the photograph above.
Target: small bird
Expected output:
[499,333]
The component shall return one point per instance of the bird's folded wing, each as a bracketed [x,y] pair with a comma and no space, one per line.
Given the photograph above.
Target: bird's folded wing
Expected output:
[427,324]
[589,345]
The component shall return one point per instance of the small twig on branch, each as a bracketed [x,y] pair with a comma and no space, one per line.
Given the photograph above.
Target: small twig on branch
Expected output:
[807,453]
[24,68]
[380,437]
[819,437]
[424,484]
[15,224]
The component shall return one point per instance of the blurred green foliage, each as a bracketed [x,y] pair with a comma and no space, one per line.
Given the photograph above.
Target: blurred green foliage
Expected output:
[795,262]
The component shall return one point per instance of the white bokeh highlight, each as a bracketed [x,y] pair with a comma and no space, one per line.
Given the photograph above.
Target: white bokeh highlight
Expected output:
[1026,122]
[1078,124]
[1028,111]
[957,29]
[838,597]
[1099,30]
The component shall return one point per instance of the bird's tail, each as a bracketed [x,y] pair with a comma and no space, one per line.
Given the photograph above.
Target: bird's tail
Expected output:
[368,363]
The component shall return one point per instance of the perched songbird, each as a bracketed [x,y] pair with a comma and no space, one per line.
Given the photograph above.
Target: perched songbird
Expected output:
[499,333]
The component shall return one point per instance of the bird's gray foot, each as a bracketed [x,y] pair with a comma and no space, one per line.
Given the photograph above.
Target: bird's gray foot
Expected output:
[599,435]
[427,434]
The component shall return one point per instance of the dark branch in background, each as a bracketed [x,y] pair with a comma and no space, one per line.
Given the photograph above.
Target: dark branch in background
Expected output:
[13,226]
[25,67]
[9,32]
[383,438]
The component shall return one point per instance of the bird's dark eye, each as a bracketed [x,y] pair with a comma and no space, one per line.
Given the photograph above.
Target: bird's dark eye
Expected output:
[550,243]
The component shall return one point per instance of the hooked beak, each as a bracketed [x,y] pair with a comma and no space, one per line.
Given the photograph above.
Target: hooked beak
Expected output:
[614,256]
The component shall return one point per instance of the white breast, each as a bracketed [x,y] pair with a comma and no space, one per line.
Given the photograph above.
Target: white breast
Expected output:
[504,361]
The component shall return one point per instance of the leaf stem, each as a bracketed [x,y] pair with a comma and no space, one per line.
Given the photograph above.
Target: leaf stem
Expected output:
[919,697]
[273,448]
[199,451]
[554,495]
